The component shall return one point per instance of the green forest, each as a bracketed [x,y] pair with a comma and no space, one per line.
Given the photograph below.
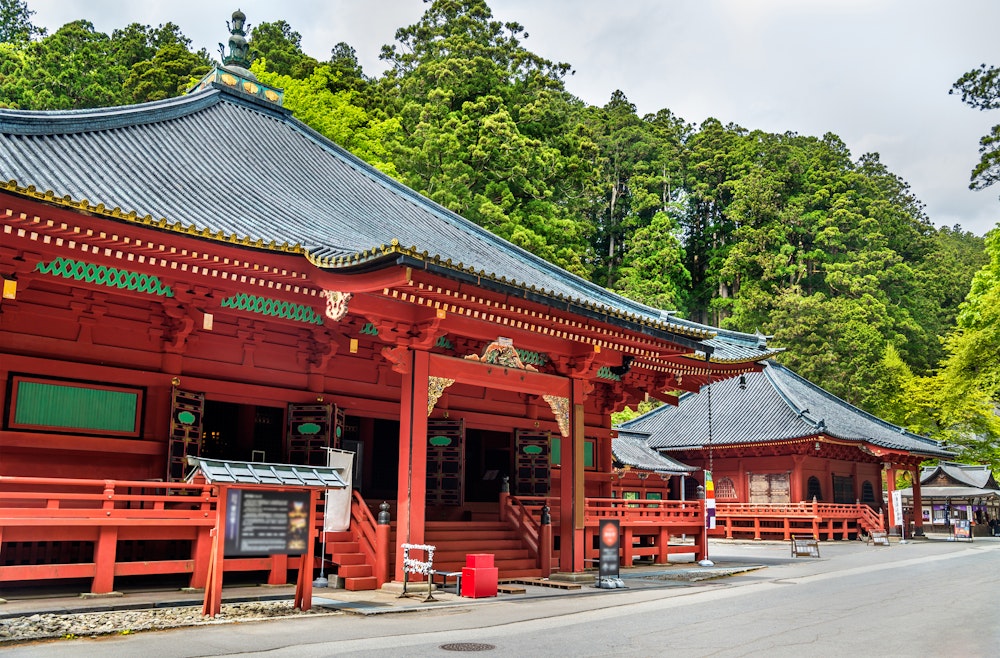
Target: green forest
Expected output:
[828,253]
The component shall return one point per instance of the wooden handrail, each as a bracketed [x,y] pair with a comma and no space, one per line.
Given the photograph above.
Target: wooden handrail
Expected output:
[364,524]
[521,518]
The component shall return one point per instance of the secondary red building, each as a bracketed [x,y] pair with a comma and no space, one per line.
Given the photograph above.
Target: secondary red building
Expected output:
[786,455]
[208,276]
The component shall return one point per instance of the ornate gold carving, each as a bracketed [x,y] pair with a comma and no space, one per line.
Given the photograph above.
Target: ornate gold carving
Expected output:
[560,409]
[435,388]
[336,303]
[502,354]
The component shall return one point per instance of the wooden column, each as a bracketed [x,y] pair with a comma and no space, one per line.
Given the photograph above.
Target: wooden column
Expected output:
[571,488]
[890,486]
[918,504]
[412,488]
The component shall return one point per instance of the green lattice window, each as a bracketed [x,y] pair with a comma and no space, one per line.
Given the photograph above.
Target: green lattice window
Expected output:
[39,404]
[588,452]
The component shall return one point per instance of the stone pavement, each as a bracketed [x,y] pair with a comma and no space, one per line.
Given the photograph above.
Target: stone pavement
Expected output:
[386,600]
[731,557]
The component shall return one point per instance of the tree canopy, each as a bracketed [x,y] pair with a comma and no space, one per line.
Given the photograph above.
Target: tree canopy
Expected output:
[828,252]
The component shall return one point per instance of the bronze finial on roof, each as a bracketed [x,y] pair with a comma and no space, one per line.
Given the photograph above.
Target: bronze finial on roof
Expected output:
[235,71]
[239,51]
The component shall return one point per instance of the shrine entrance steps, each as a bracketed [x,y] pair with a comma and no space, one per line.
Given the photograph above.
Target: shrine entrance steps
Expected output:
[456,539]
[453,541]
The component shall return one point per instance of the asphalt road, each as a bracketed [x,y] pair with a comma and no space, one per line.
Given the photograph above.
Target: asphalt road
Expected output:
[917,599]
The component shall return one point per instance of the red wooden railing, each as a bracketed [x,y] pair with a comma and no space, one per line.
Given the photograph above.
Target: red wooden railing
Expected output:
[782,520]
[649,528]
[56,528]
[524,514]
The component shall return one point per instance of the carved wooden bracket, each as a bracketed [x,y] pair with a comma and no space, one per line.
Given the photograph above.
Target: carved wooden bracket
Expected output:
[397,357]
[316,348]
[500,354]
[560,409]
[435,388]
[336,303]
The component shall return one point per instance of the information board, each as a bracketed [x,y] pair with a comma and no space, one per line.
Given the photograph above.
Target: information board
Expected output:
[267,522]
[610,541]
[962,529]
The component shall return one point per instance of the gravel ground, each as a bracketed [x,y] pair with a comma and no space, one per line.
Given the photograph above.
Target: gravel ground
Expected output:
[123,622]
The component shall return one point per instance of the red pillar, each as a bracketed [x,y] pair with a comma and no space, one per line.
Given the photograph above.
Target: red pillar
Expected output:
[890,486]
[303,586]
[571,485]
[412,488]
[918,505]
[213,585]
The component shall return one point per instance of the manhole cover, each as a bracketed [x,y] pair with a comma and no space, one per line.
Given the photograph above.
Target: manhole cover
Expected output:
[467,646]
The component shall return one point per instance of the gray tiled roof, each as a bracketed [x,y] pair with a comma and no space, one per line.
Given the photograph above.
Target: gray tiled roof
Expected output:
[776,405]
[631,450]
[219,161]
[973,475]
[233,472]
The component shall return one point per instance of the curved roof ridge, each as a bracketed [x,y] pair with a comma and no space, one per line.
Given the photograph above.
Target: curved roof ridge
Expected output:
[856,410]
[62,122]
[751,340]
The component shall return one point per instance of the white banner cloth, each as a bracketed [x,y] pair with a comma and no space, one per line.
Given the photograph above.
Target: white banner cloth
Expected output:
[338,501]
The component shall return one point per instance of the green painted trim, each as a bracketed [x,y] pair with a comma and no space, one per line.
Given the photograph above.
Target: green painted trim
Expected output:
[369,330]
[605,373]
[272,307]
[102,275]
[532,358]
[443,341]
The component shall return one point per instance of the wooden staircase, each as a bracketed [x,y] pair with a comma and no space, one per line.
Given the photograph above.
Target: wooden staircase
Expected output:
[456,539]
[351,564]
[453,539]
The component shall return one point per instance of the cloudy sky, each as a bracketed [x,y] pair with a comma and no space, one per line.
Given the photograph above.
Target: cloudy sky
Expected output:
[874,72]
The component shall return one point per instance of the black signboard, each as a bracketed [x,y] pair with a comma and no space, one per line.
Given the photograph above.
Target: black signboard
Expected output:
[609,540]
[267,522]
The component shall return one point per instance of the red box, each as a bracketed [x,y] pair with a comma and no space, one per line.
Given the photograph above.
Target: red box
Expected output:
[479,582]
[479,560]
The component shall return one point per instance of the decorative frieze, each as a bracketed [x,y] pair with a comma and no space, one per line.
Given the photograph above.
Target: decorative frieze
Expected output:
[102,275]
[272,307]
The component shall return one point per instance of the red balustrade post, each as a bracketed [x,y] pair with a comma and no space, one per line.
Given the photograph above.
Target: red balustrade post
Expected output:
[545,543]
[504,497]
[106,546]
[382,545]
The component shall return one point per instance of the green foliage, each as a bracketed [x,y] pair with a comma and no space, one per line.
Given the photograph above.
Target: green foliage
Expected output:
[78,67]
[654,271]
[281,46]
[483,128]
[980,89]
[15,23]
[627,414]
[782,233]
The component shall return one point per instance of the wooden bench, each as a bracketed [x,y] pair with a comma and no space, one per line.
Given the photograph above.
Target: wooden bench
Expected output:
[444,576]
[878,539]
[804,546]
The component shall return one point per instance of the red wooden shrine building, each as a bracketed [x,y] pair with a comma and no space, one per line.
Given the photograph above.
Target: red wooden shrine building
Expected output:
[208,276]
[786,456]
